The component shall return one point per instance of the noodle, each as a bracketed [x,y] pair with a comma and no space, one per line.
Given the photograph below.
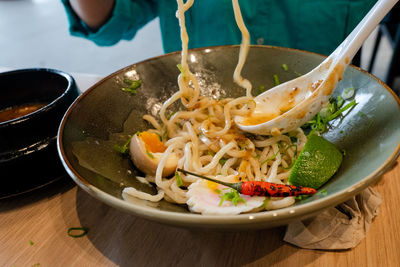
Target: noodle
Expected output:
[207,142]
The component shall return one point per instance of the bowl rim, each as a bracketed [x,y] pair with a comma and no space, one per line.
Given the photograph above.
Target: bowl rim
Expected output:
[49,106]
[263,219]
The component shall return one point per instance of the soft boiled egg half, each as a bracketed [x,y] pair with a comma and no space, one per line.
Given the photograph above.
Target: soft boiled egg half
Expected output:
[146,151]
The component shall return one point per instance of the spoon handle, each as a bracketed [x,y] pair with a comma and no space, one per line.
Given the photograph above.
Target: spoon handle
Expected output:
[349,47]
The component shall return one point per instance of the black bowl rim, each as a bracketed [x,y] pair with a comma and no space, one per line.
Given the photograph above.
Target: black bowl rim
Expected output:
[254,220]
[47,107]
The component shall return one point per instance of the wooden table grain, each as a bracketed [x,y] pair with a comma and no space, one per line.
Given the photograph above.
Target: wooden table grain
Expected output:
[33,232]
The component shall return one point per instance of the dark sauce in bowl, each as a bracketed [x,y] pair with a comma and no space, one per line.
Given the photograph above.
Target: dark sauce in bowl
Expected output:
[14,112]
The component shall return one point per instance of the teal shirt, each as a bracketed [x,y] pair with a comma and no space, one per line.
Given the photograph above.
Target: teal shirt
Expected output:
[313,25]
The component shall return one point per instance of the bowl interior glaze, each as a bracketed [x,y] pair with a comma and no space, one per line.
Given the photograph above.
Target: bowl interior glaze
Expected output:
[104,115]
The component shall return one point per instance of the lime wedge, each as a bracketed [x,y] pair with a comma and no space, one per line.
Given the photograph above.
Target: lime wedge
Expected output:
[318,161]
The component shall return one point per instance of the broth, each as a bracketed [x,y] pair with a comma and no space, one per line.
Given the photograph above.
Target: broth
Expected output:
[14,112]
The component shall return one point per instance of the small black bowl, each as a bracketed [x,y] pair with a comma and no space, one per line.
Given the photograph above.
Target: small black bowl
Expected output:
[28,154]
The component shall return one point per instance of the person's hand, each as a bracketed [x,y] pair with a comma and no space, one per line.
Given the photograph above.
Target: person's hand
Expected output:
[93,12]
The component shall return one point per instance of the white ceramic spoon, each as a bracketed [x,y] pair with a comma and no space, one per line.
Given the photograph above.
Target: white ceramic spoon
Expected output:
[289,105]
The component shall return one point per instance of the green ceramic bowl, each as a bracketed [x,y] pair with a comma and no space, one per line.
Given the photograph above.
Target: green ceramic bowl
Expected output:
[104,115]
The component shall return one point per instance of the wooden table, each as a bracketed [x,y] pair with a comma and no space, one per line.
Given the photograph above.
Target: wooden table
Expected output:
[33,232]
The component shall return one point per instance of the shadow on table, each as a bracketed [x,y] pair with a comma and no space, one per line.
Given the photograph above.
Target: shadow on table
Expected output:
[127,240]
[58,186]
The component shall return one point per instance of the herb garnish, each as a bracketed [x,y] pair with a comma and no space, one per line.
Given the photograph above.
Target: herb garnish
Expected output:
[261,89]
[348,93]
[271,158]
[233,196]
[178,178]
[82,231]
[181,70]
[124,149]
[285,67]
[276,80]
[131,85]
[222,161]
[320,122]
[149,154]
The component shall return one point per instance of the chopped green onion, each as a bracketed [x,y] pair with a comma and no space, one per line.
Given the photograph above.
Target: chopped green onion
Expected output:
[170,115]
[323,192]
[297,73]
[285,67]
[181,70]
[82,231]
[340,111]
[348,93]
[334,109]
[149,154]
[124,149]
[233,196]
[222,161]
[276,80]
[301,197]
[165,134]
[178,178]
[131,85]
[271,158]
[128,81]
[261,89]
[340,101]
[31,242]
[217,191]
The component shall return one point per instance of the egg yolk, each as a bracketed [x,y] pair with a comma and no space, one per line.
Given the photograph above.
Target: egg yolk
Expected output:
[211,185]
[152,142]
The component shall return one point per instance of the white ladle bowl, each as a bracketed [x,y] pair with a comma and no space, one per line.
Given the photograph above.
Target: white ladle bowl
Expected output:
[289,105]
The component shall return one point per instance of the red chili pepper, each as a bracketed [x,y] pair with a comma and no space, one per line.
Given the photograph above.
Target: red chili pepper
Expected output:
[258,188]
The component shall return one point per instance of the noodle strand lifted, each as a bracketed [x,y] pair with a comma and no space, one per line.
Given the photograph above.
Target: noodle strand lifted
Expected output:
[205,140]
